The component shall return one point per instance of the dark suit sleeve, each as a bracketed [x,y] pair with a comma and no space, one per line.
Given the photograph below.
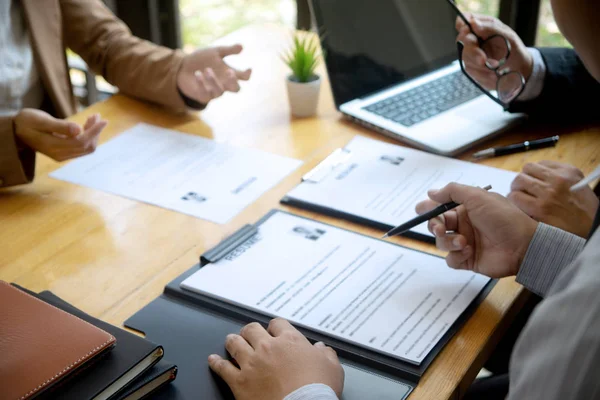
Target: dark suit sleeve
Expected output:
[569,92]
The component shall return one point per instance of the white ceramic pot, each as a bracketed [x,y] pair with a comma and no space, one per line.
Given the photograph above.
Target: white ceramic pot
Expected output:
[303,96]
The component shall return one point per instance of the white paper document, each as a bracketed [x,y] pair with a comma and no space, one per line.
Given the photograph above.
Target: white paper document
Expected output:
[382,182]
[365,291]
[181,172]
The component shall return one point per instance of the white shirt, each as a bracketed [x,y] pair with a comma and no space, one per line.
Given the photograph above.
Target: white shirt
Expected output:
[535,83]
[20,85]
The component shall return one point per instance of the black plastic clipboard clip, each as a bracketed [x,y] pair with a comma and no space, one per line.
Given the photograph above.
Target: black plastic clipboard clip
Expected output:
[338,157]
[228,245]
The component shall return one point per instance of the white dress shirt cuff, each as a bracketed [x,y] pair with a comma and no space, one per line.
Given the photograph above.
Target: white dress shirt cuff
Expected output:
[549,252]
[314,391]
[535,83]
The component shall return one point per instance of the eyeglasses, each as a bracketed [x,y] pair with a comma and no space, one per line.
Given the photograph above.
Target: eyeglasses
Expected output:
[509,84]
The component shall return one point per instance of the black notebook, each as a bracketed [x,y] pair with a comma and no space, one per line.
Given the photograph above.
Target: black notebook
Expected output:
[128,361]
[150,382]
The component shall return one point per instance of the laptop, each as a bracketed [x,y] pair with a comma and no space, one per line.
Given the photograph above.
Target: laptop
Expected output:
[393,68]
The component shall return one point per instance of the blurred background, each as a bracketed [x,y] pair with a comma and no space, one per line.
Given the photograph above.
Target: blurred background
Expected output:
[203,21]
[189,24]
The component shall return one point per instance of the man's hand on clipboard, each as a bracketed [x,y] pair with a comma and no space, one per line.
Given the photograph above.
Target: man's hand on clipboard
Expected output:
[275,362]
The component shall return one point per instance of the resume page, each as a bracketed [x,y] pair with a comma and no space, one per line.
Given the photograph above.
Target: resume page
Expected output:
[383,182]
[365,291]
[181,172]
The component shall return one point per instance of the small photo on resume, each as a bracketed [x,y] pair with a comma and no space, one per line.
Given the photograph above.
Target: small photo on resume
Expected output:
[192,196]
[394,160]
[310,234]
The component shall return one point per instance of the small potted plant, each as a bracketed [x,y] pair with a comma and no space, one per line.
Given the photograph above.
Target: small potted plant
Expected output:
[303,85]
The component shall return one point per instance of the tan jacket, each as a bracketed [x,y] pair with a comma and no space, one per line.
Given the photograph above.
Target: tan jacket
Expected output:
[137,67]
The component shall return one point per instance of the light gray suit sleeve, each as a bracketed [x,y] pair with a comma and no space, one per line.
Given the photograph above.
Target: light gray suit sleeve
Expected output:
[557,355]
[549,252]
[315,391]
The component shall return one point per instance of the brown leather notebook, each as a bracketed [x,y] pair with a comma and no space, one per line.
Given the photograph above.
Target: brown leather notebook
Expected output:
[40,345]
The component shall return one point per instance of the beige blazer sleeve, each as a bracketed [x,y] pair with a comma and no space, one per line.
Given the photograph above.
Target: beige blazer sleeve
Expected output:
[137,67]
[16,165]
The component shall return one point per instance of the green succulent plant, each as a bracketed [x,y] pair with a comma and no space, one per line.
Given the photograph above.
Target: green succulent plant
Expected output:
[303,57]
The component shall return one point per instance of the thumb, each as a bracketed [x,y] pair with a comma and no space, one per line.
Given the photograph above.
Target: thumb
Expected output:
[455,192]
[225,51]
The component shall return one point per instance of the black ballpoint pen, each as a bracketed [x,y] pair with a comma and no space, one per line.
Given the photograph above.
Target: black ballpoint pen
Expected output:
[439,210]
[518,147]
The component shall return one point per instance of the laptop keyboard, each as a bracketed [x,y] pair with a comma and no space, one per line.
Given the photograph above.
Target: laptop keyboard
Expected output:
[426,101]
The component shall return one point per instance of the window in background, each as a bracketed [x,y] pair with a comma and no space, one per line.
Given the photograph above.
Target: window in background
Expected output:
[202,22]
[548,34]
[488,7]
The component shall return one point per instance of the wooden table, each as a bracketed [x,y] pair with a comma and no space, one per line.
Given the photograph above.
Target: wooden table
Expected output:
[110,256]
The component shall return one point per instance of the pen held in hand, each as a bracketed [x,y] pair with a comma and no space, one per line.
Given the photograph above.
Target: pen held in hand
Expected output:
[419,219]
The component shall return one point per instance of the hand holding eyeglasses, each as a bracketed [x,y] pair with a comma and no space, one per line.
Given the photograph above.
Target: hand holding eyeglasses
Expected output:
[475,57]
[489,44]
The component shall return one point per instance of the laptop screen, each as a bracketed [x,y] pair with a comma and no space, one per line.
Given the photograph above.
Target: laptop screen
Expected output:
[370,45]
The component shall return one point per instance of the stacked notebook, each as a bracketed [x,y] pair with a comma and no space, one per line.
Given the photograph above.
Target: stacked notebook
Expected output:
[50,349]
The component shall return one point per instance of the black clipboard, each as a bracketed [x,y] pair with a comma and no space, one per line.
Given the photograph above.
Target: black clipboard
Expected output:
[191,326]
[337,157]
